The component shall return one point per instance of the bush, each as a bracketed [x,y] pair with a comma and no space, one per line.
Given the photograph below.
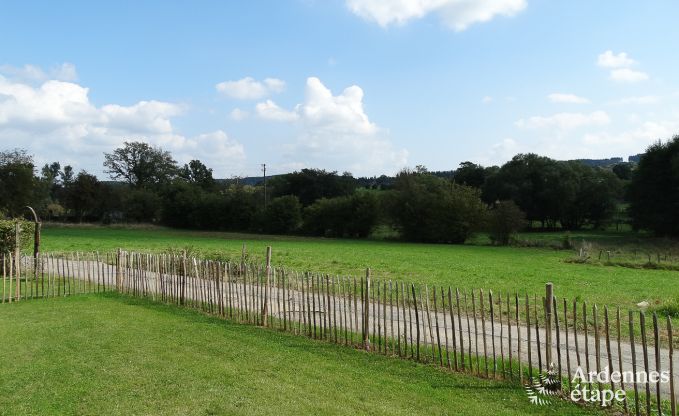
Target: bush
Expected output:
[283,215]
[504,221]
[347,216]
[8,235]
[426,208]
[141,206]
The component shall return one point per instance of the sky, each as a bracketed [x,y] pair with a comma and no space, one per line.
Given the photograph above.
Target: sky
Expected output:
[364,86]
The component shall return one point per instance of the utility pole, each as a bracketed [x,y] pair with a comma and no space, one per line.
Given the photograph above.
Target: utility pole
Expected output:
[264,170]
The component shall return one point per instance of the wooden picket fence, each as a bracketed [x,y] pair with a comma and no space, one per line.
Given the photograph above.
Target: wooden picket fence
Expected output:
[507,336]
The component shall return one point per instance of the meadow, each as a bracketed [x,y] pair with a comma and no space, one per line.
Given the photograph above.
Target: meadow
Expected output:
[110,354]
[501,269]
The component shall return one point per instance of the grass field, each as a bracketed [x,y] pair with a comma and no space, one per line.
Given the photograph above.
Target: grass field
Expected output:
[115,355]
[468,266]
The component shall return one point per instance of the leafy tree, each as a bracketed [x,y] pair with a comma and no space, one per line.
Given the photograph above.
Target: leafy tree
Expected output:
[505,219]
[430,209]
[654,190]
[623,171]
[140,165]
[197,173]
[50,172]
[67,175]
[16,181]
[311,184]
[83,195]
[567,193]
[470,174]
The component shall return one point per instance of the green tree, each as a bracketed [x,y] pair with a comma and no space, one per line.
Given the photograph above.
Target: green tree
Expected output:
[140,165]
[16,181]
[470,174]
[83,195]
[310,185]
[505,220]
[430,209]
[623,171]
[654,190]
[197,173]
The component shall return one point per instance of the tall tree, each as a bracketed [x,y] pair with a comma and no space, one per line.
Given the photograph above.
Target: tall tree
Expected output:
[470,174]
[197,173]
[310,185]
[140,164]
[16,181]
[83,194]
[654,190]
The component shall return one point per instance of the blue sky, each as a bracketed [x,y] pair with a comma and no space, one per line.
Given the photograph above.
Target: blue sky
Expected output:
[367,86]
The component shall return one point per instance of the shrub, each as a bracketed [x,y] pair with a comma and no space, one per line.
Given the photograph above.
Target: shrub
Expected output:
[8,235]
[283,215]
[426,208]
[504,221]
[348,216]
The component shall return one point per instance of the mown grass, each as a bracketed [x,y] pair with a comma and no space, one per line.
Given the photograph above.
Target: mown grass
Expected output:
[108,354]
[468,266]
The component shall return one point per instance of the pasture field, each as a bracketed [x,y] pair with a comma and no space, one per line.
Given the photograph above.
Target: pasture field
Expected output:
[109,354]
[466,266]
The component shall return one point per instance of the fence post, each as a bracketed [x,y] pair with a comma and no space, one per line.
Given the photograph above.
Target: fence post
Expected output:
[265,307]
[17,258]
[549,298]
[118,271]
[366,312]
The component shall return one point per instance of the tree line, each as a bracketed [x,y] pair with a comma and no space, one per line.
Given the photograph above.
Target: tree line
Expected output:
[148,185]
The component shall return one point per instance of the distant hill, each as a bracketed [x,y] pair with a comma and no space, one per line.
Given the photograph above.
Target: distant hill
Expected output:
[601,163]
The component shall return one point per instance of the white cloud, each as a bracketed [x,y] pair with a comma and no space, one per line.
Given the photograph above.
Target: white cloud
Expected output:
[250,89]
[456,14]
[634,140]
[237,114]
[628,75]
[487,99]
[32,73]
[610,60]
[567,98]
[642,100]
[619,65]
[334,132]
[269,110]
[565,121]
[57,121]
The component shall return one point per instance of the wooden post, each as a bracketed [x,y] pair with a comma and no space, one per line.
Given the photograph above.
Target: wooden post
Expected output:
[549,296]
[637,410]
[184,274]
[673,397]
[265,307]
[366,312]
[17,259]
[417,321]
[656,342]
[118,273]
[644,345]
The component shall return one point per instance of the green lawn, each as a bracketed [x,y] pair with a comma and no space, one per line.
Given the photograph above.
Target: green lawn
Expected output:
[468,266]
[107,354]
